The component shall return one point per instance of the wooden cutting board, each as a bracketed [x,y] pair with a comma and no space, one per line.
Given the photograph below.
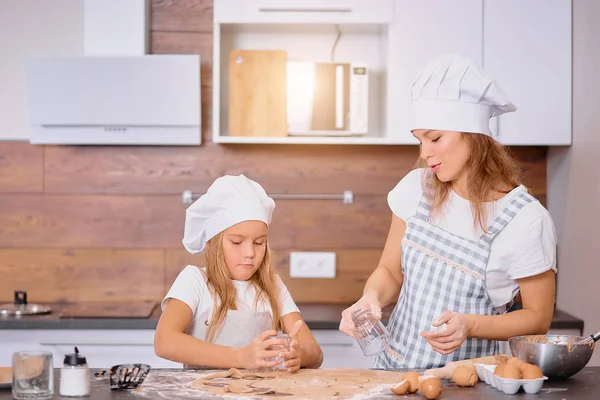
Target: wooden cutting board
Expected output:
[257,93]
[109,310]
[5,377]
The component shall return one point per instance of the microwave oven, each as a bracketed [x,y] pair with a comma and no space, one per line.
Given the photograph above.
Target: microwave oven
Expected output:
[327,98]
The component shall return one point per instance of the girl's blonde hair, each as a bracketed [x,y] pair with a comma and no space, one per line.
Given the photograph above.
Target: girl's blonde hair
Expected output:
[490,168]
[225,294]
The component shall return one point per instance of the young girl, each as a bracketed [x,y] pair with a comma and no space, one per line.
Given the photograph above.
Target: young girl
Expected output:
[223,315]
[466,238]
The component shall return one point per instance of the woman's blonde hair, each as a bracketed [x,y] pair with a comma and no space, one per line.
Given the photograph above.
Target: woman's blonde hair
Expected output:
[490,168]
[225,294]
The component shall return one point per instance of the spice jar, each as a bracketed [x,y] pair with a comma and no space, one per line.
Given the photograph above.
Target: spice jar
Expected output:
[75,376]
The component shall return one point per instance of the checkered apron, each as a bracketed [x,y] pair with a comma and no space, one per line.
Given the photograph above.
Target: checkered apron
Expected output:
[442,271]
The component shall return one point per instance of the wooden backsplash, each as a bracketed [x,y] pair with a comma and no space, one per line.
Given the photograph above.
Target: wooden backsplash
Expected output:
[87,223]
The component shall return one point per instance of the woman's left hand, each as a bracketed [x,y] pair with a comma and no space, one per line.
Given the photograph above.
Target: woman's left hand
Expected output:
[292,357]
[448,340]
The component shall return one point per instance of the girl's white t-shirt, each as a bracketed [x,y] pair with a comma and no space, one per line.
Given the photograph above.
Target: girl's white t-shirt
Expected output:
[524,248]
[191,288]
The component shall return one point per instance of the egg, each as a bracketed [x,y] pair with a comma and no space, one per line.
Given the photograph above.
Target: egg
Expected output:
[402,387]
[464,376]
[517,361]
[413,378]
[531,371]
[511,371]
[431,387]
[499,371]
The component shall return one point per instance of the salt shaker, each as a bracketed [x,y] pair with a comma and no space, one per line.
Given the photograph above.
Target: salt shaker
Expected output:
[75,376]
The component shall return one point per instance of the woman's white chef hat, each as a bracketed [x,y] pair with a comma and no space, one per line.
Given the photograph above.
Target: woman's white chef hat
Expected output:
[453,94]
[228,201]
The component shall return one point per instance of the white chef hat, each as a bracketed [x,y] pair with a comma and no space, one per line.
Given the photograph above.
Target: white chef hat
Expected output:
[453,94]
[228,201]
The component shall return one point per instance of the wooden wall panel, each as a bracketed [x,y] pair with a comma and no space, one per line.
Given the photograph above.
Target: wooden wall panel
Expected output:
[72,275]
[354,266]
[158,221]
[90,221]
[21,168]
[280,169]
[182,15]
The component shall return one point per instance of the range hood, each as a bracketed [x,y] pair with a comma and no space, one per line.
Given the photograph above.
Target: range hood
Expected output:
[121,97]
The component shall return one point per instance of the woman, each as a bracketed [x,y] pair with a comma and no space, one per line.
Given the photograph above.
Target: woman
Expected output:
[466,238]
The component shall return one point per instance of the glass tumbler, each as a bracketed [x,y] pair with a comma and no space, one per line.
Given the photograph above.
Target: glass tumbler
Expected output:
[33,375]
[371,334]
[281,347]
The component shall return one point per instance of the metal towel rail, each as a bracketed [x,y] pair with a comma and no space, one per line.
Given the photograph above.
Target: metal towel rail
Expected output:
[347,197]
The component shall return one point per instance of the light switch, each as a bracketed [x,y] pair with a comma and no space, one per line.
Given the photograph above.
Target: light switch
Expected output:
[312,264]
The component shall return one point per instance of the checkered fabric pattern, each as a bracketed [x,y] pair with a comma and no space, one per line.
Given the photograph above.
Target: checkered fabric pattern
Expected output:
[442,271]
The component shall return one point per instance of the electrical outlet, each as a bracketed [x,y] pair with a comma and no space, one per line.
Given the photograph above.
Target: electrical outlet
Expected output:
[312,264]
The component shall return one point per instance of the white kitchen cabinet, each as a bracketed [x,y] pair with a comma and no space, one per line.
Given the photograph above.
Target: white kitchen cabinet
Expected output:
[340,350]
[524,44]
[527,48]
[423,30]
[102,348]
[303,11]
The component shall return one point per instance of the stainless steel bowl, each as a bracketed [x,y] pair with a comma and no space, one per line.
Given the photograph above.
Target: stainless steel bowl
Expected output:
[556,355]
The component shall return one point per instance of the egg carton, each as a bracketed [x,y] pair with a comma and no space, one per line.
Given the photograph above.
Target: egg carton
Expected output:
[506,385]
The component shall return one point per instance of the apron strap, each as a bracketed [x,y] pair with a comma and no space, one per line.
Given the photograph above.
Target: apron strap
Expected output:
[516,204]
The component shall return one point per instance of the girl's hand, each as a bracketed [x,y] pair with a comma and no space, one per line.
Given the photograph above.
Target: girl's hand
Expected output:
[369,301]
[293,361]
[254,355]
[448,340]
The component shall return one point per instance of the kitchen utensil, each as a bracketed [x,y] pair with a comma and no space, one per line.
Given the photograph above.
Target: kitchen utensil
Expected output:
[590,339]
[21,307]
[371,334]
[558,356]
[446,371]
[257,93]
[33,375]
[128,376]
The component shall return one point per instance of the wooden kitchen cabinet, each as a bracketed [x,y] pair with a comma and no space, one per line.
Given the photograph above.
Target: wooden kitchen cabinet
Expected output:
[527,48]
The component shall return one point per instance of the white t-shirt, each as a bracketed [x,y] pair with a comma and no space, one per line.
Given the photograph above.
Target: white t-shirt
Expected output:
[525,247]
[191,288]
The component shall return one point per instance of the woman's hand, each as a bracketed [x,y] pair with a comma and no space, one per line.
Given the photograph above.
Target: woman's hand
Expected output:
[254,355]
[369,301]
[450,338]
[292,358]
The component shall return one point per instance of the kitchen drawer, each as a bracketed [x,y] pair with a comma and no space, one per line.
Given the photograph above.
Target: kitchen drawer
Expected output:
[304,11]
[102,348]
[341,351]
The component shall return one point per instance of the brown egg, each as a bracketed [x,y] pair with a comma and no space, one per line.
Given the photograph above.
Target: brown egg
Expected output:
[464,376]
[511,371]
[431,387]
[499,371]
[517,361]
[413,378]
[402,387]
[531,371]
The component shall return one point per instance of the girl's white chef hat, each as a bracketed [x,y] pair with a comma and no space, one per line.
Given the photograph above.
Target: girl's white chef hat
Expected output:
[453,94]
[228,201]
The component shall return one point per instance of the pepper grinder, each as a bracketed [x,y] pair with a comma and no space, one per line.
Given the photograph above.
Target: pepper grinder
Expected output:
[75,376]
